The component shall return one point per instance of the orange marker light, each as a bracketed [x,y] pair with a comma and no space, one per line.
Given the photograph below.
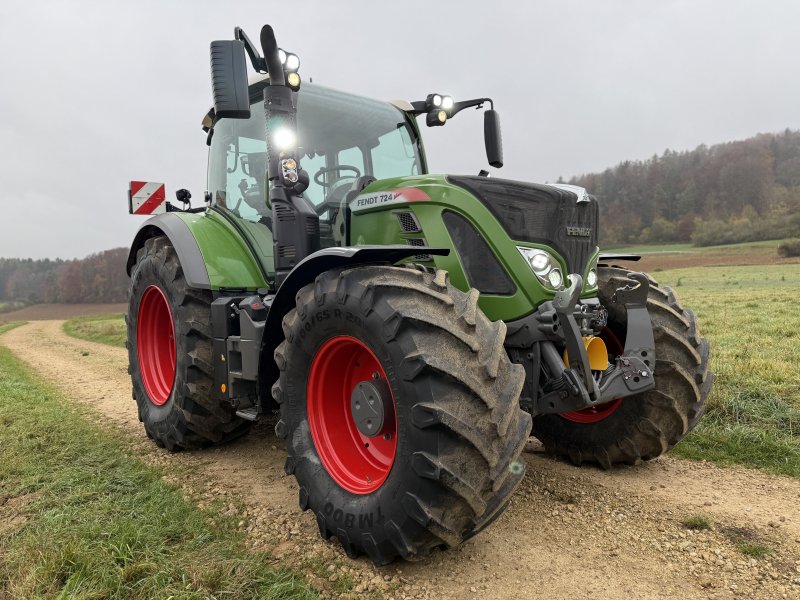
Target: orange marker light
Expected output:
[224,388]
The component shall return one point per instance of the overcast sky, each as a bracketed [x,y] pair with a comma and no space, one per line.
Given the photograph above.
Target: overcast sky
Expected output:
[94,94]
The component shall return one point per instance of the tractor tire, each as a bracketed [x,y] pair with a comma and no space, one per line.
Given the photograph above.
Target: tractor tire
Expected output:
[644,426]
[447,458]
[170,355]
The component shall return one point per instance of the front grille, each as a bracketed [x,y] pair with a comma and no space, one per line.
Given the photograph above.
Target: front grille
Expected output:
[481,266]
[540,214]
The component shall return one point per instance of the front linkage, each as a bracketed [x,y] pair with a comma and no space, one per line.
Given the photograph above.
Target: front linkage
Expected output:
[570,384]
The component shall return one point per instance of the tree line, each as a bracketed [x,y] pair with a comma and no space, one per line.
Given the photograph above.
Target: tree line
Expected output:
[98,278]
[739,191]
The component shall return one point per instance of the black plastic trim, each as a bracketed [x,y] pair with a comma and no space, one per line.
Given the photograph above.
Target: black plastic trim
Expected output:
[482,268]
[632,257]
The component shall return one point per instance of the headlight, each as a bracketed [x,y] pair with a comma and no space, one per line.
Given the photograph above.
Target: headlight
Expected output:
[293,81]
[292,62]
[545,266]
[591,276]
[284,138]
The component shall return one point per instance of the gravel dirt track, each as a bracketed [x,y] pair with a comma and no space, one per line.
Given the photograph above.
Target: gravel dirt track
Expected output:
[568,533]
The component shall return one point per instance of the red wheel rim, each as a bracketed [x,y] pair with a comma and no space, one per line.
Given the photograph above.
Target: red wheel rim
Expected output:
[601,411]
[358,463]
[155,345]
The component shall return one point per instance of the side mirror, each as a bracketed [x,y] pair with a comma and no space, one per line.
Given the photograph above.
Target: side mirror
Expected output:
[229,80]
[492,138]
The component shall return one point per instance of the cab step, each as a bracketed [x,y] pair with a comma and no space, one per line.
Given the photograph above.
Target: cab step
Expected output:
[251,414]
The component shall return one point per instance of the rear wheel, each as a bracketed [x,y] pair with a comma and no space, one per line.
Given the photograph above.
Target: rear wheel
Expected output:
[646,425]
[169,352]
[400,409]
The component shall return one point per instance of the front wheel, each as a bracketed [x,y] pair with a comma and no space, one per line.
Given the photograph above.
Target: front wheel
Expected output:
[400,409]
[646,425]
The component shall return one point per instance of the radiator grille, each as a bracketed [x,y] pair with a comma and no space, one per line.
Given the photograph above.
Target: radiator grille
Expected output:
[541,214]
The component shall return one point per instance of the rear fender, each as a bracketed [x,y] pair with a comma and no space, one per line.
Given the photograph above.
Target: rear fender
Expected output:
[214,254]
[182,239]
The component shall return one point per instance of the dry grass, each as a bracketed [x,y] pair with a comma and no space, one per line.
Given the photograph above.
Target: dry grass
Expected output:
[106,329]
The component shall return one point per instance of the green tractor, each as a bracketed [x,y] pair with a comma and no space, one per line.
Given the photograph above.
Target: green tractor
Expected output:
[411,330]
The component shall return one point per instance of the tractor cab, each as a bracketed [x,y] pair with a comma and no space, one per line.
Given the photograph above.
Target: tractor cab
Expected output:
[341,140]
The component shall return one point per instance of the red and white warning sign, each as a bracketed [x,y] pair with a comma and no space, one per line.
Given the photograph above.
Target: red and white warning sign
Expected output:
[146,198]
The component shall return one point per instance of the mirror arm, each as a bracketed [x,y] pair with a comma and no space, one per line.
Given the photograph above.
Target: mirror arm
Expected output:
[477,103]
[259,64]
[420,107]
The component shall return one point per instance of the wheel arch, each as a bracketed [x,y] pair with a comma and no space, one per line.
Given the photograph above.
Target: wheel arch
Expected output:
[184,242]
[307,271]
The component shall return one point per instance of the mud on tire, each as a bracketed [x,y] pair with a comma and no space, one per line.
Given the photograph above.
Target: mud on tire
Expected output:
[460,431]
[648,424]
[190,417]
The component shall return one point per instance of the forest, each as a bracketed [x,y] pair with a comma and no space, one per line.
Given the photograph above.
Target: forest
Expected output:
[739,191]
[99,277]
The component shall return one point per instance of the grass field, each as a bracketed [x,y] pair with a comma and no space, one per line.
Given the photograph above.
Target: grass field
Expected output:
[749,315]
[80,517]
[106,329]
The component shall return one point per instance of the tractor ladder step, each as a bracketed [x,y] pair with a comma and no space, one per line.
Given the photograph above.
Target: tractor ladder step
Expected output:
[251,414]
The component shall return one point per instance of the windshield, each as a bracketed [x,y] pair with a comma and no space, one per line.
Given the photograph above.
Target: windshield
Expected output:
[340,137]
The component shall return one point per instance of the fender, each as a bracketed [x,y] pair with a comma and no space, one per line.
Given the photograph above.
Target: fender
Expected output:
[305,272]
[214,254]
[181,238]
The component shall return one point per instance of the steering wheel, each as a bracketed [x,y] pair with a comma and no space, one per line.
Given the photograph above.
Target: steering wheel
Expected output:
[337,168]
